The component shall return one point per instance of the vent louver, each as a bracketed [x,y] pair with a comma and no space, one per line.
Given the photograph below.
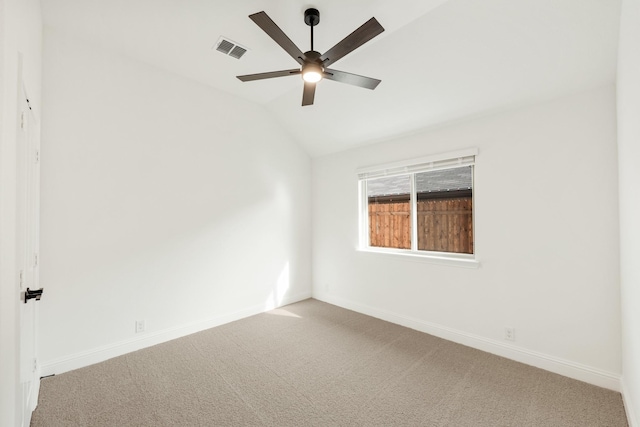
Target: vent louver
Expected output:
[237,52]
[225,47]
[230,48]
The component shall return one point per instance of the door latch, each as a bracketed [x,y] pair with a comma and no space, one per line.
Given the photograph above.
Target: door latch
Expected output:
[30,294]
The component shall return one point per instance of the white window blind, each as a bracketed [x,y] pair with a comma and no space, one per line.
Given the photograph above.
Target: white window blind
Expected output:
[444,161]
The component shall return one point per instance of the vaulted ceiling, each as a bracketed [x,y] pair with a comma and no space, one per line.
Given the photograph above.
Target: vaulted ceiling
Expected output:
[439,60]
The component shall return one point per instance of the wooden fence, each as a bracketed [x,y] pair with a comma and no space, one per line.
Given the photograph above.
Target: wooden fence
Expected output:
[444,224]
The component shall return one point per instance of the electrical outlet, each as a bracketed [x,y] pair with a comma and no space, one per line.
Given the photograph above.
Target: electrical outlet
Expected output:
[139,326]
[510,334]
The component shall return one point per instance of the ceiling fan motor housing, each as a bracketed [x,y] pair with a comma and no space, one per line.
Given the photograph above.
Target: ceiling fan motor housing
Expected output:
[313,56]
[312,63]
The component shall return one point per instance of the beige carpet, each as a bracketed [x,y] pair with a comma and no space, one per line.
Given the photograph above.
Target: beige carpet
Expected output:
[314,364]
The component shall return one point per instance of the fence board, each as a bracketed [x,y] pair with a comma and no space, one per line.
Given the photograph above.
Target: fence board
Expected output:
[444,225]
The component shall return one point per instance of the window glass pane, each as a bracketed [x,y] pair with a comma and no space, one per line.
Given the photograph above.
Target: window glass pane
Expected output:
[389,208]
[445,210]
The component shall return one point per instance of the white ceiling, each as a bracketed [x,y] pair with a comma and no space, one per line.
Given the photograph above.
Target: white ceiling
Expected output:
[439,60]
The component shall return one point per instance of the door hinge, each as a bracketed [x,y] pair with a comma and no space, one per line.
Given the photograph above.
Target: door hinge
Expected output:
[37,156]
[21,278]
[35,260]
[23,120]
[35,365]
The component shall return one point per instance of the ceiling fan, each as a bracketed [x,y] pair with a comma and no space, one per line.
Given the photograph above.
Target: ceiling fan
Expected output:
[314,65]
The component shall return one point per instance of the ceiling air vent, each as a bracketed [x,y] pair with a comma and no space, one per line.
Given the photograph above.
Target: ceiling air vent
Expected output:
[230,48]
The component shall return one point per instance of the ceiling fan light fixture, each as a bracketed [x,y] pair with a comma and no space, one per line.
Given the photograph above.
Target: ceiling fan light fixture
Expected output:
[312,73]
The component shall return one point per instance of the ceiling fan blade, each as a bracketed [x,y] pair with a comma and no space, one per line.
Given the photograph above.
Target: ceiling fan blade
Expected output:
[351,79]
[366,32]
[269,75]
[308,94]
[268,26]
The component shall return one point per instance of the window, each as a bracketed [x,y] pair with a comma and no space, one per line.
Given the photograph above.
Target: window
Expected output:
[422,207]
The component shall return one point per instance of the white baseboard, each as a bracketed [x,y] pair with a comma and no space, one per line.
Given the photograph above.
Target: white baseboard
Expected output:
[628,405]
[100,354]
[553,364]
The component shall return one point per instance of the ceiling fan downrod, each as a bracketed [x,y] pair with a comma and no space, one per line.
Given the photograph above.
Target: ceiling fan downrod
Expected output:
[311,18]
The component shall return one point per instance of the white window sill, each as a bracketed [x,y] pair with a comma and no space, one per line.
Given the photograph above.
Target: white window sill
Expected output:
[454,260]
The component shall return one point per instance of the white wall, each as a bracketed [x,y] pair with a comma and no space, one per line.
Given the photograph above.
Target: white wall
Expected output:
[162,200]
[20,36]
[546,215]
[628,156]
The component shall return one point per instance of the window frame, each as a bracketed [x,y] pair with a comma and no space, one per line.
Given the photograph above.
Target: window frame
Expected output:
[412,167]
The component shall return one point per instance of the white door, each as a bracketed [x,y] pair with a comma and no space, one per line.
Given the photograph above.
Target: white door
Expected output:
[28,207]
